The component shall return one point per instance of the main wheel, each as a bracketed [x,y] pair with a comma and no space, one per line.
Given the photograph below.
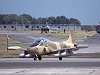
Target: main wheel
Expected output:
[60,58]
[35,57]
[39,57]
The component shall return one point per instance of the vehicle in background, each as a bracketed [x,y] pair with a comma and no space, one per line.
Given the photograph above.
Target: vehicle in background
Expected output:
[47,29]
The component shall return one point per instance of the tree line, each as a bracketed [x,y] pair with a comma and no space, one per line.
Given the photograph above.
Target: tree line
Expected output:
[28,19]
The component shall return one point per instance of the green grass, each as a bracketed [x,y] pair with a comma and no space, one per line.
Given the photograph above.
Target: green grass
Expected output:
[84,35]
[61,34]
[78,35]
[3,49]
[29,31]
[9,53]
[3,40]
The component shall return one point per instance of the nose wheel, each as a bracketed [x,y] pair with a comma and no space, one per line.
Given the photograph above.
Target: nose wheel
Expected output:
[39,57]
[35,57]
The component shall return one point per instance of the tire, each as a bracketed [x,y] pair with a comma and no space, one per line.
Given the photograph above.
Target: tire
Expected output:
[60,58]
[35,57]
[39,58]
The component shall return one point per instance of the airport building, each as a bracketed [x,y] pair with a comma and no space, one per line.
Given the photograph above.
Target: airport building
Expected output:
[61,27]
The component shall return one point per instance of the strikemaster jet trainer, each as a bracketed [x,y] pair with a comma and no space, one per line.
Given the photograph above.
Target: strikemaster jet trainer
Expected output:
[43,46]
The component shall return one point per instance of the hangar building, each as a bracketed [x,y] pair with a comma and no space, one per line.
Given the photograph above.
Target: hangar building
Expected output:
[38,26]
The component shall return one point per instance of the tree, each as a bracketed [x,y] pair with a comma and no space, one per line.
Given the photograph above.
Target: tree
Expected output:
[27,19]
[34,21]
[5,19]
[51,20]
[74,21]
[62,20]
[13,18]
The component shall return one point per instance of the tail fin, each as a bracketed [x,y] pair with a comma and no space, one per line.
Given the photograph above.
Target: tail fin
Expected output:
[71,38]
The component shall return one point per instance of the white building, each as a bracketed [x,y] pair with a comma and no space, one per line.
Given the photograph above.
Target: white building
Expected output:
[38,26]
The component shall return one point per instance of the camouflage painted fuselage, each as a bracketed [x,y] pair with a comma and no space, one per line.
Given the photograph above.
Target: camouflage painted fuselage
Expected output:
[51,47]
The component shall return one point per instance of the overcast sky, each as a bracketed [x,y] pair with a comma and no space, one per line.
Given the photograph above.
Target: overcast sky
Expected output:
[87,11]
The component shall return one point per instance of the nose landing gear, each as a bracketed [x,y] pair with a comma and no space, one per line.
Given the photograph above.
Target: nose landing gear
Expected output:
[35,57]
[39,57]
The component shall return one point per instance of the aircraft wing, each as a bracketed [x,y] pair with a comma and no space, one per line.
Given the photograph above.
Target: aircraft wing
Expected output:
[63,52]
[63,49]
[67,51]
[72,49]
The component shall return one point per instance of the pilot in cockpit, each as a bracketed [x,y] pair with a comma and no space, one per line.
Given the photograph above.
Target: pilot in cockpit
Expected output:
[38,42]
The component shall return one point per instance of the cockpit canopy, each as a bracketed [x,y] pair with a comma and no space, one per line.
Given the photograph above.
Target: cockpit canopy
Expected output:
[40,42]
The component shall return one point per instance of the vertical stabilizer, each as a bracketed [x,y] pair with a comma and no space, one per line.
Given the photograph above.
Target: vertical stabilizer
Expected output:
[71,38]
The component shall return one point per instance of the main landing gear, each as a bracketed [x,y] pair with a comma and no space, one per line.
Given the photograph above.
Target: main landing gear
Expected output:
[60,58]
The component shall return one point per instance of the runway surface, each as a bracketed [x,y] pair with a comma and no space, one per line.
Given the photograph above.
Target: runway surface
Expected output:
[14,63]
[48,66]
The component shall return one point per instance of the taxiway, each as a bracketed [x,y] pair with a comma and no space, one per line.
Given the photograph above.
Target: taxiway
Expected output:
[70,66]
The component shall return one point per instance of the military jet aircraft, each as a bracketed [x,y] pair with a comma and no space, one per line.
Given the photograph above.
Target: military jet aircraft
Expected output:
[49,29]
[43,46]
